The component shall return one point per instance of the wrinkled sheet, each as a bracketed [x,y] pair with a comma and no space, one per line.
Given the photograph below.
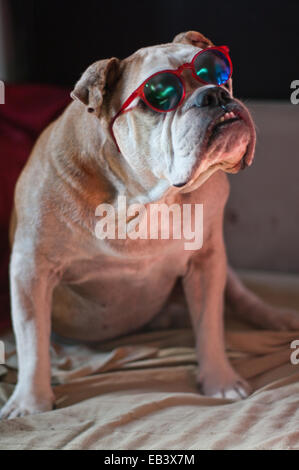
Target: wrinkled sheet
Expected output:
[139,392]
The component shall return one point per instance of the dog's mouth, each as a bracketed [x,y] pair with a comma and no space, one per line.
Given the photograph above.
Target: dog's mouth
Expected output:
[221,123]
[216,127]
[226,130]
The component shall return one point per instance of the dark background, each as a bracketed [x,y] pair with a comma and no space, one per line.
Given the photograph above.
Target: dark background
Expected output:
[52,42]
[56,40]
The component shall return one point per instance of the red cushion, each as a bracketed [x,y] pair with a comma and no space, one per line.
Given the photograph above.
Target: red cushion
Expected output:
[28,109]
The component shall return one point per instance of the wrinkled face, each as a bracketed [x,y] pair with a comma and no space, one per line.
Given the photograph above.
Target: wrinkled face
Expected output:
[210,130]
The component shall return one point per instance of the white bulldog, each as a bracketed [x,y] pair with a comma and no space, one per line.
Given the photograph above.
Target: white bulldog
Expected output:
[92,288]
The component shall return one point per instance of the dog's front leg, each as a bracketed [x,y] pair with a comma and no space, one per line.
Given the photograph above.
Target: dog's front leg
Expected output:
[32,283]
[204,285]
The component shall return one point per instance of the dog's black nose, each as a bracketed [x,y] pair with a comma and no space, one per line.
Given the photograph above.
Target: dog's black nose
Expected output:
[212,96]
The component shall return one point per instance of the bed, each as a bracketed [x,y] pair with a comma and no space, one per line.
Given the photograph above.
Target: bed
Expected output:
[139,392]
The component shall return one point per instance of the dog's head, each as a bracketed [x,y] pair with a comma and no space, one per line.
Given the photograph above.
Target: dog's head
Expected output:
[210,130]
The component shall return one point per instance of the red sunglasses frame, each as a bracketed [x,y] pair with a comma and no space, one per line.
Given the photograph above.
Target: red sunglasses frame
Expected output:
[139,92]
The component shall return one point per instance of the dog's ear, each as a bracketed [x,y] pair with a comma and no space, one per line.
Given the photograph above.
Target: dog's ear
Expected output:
[198,40]
[194,38]
[95,82]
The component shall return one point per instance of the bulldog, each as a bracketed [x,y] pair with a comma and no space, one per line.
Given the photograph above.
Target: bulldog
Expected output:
[158,142]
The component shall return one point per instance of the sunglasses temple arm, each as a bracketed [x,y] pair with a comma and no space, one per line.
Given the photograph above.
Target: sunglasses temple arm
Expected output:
[122,109]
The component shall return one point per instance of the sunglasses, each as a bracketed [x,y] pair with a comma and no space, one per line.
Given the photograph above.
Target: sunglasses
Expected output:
[165,91]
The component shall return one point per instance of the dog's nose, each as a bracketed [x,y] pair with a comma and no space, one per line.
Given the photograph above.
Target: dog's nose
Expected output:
[212,96]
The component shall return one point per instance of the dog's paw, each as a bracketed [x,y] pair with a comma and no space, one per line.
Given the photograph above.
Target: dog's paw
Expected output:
[224,383]
[26,404]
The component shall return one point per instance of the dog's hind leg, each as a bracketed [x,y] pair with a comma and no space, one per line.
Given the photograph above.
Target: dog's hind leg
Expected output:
[251,308]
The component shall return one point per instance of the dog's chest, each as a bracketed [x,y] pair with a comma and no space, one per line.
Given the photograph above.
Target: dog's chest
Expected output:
[118,285]
[113,295]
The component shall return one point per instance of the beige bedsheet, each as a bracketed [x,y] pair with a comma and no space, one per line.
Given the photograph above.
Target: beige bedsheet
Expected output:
[139,392]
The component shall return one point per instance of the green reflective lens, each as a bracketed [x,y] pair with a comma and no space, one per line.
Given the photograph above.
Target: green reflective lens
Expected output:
[212,67]
[163,91]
